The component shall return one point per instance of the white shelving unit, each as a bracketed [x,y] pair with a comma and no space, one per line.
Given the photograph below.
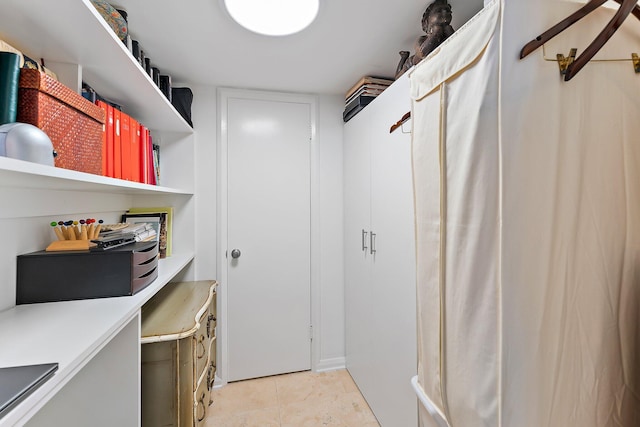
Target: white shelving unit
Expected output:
[95,342]
[73,32]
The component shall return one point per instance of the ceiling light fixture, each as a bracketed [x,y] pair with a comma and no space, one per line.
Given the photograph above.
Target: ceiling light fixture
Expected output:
[273,17]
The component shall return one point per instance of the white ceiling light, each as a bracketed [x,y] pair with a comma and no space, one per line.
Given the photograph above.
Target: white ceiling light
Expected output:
[273,17]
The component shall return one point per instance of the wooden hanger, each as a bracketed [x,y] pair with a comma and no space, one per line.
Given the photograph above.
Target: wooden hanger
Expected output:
[626,7]
[400,122]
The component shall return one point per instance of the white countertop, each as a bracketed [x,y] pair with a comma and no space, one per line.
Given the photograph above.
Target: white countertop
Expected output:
[70,333]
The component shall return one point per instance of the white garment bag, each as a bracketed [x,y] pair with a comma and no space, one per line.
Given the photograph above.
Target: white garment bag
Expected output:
[527,199]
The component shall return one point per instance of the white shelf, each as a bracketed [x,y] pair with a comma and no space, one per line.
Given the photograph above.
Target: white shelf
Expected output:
[20,174]
[72,31]
[70,333]
[73,333]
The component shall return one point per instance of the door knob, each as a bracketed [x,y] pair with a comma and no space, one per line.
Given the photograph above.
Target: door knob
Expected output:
[235,253]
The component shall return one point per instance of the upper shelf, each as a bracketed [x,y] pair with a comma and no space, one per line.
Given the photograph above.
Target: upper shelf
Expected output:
[20,174]
[72,31]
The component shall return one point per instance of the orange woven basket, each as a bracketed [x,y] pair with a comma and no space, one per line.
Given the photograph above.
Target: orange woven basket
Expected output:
[73,123]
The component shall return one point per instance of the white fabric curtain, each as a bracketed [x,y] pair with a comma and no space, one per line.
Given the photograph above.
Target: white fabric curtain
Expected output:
[527,198]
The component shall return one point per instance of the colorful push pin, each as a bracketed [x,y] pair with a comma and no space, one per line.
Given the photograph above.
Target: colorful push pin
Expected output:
[96,232]
[70,232]
[84,235]
[89,228]
[76,229]
[57,230]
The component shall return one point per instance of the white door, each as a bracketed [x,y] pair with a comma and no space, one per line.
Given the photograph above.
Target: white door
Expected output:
[393,266]
[359,337]
[268,236]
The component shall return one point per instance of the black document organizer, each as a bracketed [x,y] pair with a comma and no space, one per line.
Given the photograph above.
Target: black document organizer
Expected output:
[62,276]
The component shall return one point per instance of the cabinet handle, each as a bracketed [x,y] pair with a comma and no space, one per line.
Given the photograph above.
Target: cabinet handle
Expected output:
[201,349]
[364,241]
[211,376]
[210,319]
[204,408]
[373,243]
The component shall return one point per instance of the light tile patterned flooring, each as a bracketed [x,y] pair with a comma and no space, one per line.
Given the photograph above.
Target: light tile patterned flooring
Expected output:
[303,399]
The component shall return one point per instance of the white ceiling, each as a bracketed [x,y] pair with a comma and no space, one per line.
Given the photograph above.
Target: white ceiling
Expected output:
[196,42]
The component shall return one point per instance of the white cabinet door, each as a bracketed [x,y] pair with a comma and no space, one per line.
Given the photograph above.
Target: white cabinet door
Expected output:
[358,295]
[380,293]
[394,290]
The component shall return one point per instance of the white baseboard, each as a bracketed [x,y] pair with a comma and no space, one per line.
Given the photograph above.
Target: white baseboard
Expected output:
[331,364]
[325,365]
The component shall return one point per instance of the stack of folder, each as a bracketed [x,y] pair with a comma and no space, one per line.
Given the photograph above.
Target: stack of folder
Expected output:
[128,151]
[362,93]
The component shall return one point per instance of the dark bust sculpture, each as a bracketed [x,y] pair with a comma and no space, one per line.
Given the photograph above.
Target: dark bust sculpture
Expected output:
[436,23]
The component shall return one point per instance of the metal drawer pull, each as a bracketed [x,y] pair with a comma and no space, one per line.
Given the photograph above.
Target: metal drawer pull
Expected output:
[203,406]
[211,376]
[364,241]
[373,243]
[210,319]
[201,348]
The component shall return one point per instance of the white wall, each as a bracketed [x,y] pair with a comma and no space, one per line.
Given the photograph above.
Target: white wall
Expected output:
[329,329]
[203,115]
[331,333]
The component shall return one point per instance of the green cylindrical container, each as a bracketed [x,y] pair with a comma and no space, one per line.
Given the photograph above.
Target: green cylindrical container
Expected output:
[9,79]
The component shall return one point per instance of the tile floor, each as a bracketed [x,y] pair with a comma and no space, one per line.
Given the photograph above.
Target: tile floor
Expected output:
[303,399]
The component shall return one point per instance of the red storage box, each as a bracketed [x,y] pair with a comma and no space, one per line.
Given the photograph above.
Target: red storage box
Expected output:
[73,123]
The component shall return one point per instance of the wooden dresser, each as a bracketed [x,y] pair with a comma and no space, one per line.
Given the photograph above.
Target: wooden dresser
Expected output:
[178,354]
